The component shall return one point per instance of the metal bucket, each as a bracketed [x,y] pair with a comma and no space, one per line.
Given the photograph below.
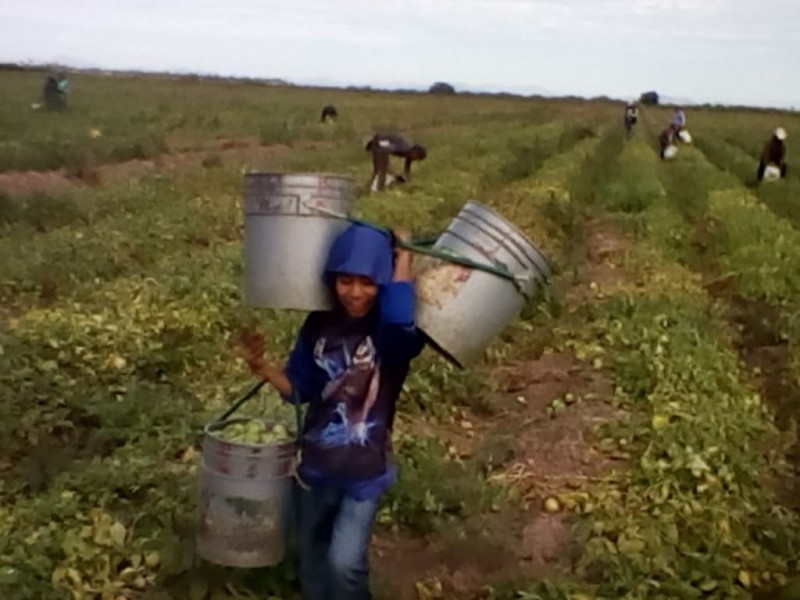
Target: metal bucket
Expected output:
[462,309]
[245,500]
[286,241]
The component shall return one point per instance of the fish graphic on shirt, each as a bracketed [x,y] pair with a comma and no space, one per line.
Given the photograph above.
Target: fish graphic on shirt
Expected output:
[353,385]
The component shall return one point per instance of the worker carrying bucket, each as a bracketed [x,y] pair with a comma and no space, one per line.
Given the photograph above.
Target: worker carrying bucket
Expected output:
[678,125]
[773,157]
[347,367]
[351,357]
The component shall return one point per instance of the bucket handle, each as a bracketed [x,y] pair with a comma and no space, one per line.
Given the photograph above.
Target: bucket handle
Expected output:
[423,246]
[298,413]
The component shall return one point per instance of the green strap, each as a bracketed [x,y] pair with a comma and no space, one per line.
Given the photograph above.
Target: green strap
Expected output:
[423,245]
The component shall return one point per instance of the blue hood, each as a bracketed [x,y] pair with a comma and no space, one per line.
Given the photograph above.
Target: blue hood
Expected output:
[361,250]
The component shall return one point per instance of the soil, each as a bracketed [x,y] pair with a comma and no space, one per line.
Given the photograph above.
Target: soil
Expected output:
[539,453]
[221,152]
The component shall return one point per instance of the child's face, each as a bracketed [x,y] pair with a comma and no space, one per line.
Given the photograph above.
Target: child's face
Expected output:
[356,293]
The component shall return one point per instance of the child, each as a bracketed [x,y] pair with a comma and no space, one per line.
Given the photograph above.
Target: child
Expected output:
[348,365]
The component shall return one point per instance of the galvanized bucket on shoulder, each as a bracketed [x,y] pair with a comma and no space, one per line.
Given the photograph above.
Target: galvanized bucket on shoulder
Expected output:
[286,241]
[245,500]
[462,309]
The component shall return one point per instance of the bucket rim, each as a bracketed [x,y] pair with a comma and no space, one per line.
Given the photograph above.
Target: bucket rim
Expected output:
[530,254]
[511,226]
[299,174]
[214,426]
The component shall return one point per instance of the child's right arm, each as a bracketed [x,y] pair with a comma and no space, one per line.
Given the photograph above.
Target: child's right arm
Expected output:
[300,380]
[277,378]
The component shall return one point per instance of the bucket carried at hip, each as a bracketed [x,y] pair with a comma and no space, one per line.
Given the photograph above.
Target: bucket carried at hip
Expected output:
[246,472]
[286,240]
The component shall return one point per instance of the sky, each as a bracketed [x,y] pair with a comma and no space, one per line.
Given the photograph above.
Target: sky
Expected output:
[727,51]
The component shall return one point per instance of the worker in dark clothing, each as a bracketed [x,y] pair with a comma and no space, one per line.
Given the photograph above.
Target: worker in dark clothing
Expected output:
[329,113]
[55,92]
[774,154]
[382,146]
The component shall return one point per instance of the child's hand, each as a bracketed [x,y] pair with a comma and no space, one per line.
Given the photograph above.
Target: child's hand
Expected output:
[402,257]
[251,349]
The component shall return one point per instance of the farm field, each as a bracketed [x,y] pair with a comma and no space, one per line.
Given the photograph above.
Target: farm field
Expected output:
[633,435]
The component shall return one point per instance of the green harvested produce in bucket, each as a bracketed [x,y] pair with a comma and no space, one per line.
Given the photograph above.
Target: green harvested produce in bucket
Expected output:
[253,431]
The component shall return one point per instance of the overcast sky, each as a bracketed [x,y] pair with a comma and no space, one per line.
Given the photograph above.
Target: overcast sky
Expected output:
[732,51]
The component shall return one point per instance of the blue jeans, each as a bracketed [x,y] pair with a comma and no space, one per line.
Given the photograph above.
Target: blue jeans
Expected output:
[333,534]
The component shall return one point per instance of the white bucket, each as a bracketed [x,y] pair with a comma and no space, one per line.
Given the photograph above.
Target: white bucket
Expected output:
[670,152]
[771,173]
[685,136]
[286,241]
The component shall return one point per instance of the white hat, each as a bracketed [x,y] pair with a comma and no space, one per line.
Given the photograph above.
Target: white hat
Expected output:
[780,133]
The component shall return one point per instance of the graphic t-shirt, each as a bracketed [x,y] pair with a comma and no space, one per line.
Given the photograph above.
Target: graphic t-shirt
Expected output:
[350,371]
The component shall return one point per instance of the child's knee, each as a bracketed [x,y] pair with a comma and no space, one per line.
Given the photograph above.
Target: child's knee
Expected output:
[349,568]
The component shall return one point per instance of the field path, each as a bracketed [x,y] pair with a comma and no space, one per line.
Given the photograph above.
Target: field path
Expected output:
[237,151]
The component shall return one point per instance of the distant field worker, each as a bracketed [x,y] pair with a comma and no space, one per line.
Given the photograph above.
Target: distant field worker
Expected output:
[55,92]
[382,146]
[774,155]
[631,117]
[678,120]
[329,113]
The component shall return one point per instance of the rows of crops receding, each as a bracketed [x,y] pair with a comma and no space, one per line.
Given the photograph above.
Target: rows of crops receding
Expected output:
[621,438]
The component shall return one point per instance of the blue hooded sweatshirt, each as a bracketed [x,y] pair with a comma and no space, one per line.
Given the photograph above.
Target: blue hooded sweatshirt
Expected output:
[350,372]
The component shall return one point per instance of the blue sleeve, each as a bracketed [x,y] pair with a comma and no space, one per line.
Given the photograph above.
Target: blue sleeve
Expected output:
[302,371]
[401,340]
